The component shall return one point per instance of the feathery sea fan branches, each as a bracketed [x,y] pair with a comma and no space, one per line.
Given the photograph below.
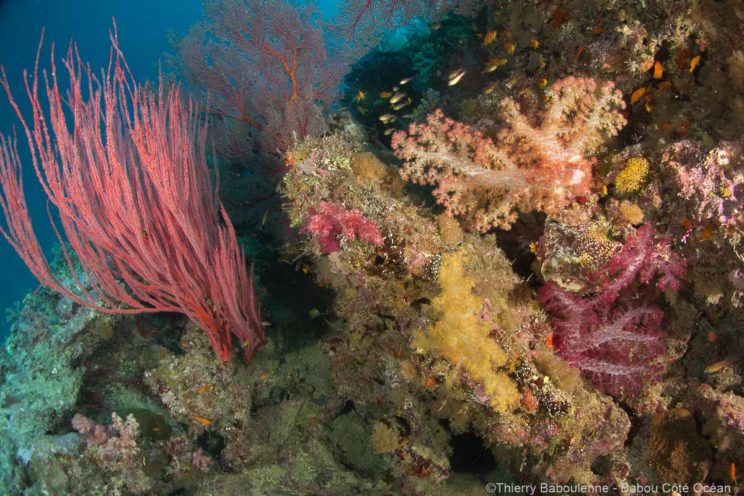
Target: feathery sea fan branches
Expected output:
[534,164]
[265,64]
[612,336]
[125,167]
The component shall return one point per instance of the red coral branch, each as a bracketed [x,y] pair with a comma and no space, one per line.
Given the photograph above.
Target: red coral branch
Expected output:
[136,203]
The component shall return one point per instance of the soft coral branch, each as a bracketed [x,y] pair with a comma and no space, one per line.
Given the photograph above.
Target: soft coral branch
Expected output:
[611,335]
[535,164]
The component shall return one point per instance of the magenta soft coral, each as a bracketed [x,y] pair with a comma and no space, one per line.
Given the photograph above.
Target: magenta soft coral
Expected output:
[610,333]
[331,222]
[537,162]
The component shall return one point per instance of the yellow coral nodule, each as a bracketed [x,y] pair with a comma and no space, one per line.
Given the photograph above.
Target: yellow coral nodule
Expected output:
[633,176]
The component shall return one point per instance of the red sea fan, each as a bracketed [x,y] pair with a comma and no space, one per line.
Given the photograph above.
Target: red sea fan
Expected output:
[614,337]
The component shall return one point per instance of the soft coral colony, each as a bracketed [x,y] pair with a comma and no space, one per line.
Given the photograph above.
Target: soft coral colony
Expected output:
[521,242]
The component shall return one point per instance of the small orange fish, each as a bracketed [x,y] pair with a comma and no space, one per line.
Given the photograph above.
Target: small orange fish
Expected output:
[658,70]
[542,82]
[489,38]
[360,96]
[637,94]
[385,94]
[535,43]
[732,471]
[549,341]
[430,382]
[694,62]
[204,388]
[687,223]
[510,48]
[597,30]
[202,420]
[707,233]
[666,126]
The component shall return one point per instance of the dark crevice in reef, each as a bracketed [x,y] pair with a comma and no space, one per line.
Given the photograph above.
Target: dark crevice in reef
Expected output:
[469,455]
[517,244]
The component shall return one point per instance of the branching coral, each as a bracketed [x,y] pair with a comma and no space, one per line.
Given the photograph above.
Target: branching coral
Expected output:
[536,163]
[614,338]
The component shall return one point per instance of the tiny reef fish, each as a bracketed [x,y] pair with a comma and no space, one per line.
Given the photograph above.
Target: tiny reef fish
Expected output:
[405,81]
[716,367]
[360,96]
[494,64]
[397,97]
[387,118]
[694,62]
[202,420]
[455,77]
[489,37]
[489,89]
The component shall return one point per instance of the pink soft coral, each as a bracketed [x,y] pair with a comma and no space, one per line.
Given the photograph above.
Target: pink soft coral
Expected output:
[613,336]
[536,163]
[331,222]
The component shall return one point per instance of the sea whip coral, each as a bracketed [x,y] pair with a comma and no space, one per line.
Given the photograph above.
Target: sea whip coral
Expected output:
[534,164]
[614,338]
[137,206]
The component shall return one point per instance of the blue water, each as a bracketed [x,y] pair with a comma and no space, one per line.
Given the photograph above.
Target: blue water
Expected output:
[143,35]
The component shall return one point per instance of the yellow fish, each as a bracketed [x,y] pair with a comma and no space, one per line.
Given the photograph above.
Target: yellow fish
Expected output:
[714,368]
[401,105]
[489,37]
[405,81]
[396,98]
[360,96]
[542,82]
[362,110]
[510,48]
[535,43]
[489,89]
[385,94]
[389,131]
[387,118]
[494,64]
[455,77]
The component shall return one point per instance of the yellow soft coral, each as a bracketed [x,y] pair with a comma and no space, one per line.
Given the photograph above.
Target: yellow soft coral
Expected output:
[461,337]
[632,177]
